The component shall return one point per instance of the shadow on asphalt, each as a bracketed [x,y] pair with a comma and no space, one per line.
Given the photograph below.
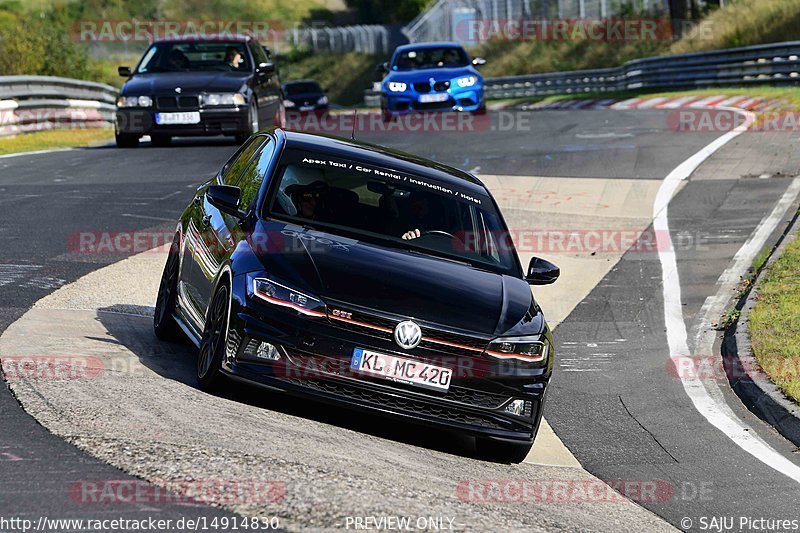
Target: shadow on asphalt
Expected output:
[131,326]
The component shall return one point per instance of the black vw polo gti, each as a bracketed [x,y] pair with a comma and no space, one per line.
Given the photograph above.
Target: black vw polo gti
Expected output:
[364,277]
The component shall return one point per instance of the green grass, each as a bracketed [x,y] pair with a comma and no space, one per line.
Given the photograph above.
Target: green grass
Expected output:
[775,322]
[345,76]
[44,140]
[740,23]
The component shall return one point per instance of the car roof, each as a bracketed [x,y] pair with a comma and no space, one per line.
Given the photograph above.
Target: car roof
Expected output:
[417,46]
[384,157]
[235,37]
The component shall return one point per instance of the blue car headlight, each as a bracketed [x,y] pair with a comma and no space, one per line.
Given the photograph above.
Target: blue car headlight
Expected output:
[283,295]
[467,81]
[397,86]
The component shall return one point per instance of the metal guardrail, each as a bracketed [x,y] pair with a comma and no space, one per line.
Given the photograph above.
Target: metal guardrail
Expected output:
[369,39]
[768,64]
[35,103]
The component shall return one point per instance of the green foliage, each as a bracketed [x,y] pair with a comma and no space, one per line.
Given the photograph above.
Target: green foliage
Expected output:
[44,47]
[382,12]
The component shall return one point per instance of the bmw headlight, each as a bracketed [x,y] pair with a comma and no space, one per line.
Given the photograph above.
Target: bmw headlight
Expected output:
[284,296]
[397,86]
[532,349]
[323,100]
[467,81]
[213,99]
[134,101]
[288,103]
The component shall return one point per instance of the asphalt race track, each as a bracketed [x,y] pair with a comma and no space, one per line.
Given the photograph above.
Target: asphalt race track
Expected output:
[616,401]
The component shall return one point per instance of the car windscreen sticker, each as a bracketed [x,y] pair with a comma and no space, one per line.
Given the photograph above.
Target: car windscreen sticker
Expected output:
[388,175]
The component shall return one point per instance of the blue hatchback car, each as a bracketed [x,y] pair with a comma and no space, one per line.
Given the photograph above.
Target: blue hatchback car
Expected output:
[431,77]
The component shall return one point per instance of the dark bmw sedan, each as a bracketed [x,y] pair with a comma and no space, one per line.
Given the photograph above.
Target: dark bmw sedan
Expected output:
[198,86]
[303,96]
[365,278]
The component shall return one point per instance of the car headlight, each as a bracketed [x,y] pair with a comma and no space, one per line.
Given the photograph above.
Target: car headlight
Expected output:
[467,81]
[322,101]
[212,99]
[397,86]
[134,101]
[288,103]
[529,349]
[282,295]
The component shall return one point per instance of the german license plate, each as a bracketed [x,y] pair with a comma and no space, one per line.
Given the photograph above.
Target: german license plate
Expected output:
[401,370]
[429,98]
[188,117]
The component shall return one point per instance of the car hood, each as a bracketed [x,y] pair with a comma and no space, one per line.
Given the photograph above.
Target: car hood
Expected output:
[162,83]
[423,75]
[393,281]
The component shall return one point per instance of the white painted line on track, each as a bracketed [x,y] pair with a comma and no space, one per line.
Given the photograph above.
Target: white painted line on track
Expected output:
[714,410]
[36,152]
[129,215]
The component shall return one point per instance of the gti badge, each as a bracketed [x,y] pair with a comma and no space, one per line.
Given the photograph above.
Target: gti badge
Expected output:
[178,90]
[407,335]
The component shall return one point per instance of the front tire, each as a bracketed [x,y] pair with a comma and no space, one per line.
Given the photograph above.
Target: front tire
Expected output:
[126,140]
[252,124]
[214,341]
[164,324]
[502,452]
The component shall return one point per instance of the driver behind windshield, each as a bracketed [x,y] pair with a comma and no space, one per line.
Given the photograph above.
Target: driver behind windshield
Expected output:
[233,57]
[425,217]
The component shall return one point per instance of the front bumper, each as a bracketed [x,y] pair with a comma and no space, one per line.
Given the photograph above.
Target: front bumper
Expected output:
[225,121]
[469,100]
[315,359]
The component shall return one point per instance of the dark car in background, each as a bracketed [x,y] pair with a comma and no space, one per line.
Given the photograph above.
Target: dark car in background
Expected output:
[304,96]
[225,85]
[365,278]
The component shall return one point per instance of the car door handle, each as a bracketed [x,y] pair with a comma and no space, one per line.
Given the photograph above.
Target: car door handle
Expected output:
[206,221]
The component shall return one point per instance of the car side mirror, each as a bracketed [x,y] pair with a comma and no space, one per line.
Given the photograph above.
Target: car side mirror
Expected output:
[542,272]
[124,71]
[383,68]
[267,51]
[266,68]
[478,61]
[226,198]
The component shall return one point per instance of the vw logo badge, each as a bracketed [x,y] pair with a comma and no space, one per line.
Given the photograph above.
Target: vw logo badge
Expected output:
[407,335]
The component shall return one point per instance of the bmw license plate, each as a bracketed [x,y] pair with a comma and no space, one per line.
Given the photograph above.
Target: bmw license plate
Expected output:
[401,370]
[187,117]
[429,98]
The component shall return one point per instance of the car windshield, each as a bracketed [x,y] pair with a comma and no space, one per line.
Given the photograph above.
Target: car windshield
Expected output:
[443,56]
[302,87]
[399,209]
[195,56]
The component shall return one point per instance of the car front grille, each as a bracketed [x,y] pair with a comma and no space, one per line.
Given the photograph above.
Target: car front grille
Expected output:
[422,87]
[182,103]
[400,403]
[433,337]
[304,367]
